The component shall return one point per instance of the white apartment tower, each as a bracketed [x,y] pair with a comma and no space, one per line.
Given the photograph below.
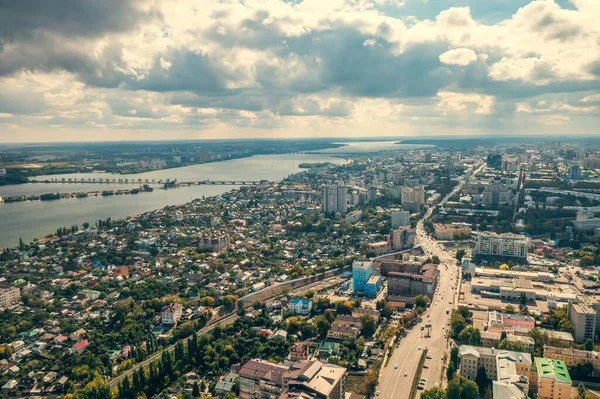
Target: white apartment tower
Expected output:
[334,199]
[400,218]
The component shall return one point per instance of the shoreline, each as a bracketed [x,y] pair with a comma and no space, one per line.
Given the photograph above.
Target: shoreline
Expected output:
[31,178]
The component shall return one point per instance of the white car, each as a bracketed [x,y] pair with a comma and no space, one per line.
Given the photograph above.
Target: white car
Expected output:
[395,366]
[419,348]
[406,373]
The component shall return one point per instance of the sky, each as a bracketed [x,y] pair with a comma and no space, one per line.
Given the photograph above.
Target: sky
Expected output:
[88,70]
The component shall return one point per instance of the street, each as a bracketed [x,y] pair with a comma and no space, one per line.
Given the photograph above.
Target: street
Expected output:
[396,382]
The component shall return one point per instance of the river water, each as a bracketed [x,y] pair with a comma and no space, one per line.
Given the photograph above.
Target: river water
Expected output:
[365,147]
[32,219]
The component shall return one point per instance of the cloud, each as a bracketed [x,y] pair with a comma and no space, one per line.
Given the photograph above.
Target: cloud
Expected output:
[555,119]
[459,56]
[291,66]
[452,102]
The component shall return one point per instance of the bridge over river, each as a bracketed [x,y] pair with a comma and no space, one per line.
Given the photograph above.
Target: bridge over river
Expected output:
[169,182]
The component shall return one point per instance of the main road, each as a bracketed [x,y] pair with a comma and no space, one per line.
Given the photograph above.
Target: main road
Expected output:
[398,376]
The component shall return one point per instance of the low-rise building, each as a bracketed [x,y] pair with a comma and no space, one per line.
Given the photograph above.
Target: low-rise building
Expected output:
[9,295]
[170,314]
[314,379]
[572,356]
[260,379]
[300,306]
[452,231]
[498,322]
[472,357]
[510,371]
[342,332]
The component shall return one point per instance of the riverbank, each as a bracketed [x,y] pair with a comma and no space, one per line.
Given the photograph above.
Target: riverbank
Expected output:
[58,196]
[31,219]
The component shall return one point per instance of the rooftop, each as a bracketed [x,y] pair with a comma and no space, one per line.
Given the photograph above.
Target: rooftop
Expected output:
[552,368]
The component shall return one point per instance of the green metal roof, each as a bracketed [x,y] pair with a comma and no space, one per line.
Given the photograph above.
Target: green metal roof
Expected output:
[551,368]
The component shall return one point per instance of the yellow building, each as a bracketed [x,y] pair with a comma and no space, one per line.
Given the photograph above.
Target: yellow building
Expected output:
[553,380]
[573,357]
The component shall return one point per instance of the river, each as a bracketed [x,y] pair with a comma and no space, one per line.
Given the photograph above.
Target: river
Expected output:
[32,219]
[366,147]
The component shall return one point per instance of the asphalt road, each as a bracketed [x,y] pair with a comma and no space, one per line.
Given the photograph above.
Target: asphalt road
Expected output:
[396,379]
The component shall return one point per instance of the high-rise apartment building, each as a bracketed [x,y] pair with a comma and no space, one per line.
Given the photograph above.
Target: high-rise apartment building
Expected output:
[334,199]
[412,197]
[402,238]
[400,218]
[497,194]
[361,272]
[583,319]
[371,195]
[502,247]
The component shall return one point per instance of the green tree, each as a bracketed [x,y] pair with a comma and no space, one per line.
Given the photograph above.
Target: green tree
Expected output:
[515,346]
[523,299]
[369,325]
[420,301]
[482,380]
[195,390]
[433,393]
[322,326]
[450,371]
[454,354]
[308,330]
[589,344]
[457,323]
[509,309]
[460,254]
[470,336]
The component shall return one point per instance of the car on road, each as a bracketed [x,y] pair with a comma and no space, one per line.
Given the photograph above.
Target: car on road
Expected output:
[406,373]
[419,348]
[395,366]
[428,357]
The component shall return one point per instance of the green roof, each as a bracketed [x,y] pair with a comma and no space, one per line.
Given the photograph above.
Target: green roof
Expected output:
[551,368]
[329,346]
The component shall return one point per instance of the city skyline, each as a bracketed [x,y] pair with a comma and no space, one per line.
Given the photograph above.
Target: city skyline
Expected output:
[125,70]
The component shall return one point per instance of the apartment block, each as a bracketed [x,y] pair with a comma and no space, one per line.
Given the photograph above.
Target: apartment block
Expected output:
[260,379]
[573,357]
[553,379]
[9,295]
[400,218]
[170,314]
[452,231]
[409,279]
[500,247]
[314,379]
[472,357]
[300,306]
[510,371]
[583,318]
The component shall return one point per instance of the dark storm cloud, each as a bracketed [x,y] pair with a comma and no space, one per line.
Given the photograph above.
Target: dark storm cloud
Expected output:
[21,19]
[187,71]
